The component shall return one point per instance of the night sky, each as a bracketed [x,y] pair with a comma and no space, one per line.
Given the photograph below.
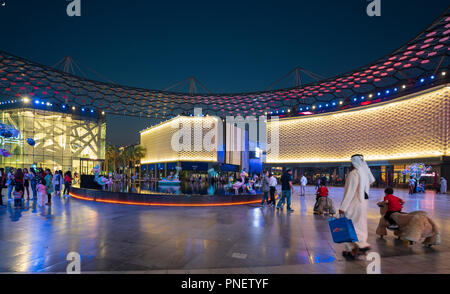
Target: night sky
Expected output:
[230,46]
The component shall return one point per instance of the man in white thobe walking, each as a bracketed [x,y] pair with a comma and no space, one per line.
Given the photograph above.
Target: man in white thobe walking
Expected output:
[443,185]
[303,183]
[355,202]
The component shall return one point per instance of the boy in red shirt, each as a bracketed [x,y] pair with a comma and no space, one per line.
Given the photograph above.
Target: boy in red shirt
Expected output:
[394,204]
[322,191]
[323,203]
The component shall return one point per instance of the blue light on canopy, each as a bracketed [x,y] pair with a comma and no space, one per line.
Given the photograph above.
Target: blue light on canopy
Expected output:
[5,153]
[7,131]
[31,142]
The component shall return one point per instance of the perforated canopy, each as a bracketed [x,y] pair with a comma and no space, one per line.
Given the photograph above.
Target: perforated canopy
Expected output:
[424,57]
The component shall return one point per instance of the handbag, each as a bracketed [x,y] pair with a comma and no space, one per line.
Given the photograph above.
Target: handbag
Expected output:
[342,230]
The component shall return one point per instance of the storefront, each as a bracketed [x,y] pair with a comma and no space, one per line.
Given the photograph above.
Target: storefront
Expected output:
[64,140]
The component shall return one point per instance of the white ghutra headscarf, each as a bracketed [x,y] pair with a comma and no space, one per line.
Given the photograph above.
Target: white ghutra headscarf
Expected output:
[366,177]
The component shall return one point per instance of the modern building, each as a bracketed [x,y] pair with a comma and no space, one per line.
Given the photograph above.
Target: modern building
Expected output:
[393,110]
[66,139]
[392,135]
[197,144]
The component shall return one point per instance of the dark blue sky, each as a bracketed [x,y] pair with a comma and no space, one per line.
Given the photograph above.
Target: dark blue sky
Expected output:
[231,46]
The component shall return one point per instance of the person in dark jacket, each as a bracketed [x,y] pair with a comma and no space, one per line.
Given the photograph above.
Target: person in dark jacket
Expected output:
[2,184]
[265,188]
[286,190]
[34,181]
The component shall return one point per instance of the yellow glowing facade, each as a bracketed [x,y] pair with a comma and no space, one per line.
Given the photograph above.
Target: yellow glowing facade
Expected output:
[62,140]
[158,140]
[410,127]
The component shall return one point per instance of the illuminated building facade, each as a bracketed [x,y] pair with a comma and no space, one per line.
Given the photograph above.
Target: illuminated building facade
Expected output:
[65,140]
[391,136]
[200,148]
[394,110]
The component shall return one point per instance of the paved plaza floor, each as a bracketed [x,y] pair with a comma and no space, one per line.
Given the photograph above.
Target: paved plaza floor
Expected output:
[237,239]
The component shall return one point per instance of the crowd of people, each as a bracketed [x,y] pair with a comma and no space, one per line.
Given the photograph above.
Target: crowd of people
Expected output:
[354,204]
[34,184]
[41,185]
[418,186]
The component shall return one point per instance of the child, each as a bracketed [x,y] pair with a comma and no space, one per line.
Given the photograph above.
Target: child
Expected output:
[394,204]
[18,195]
[421,188]
[42,192]
[323,203]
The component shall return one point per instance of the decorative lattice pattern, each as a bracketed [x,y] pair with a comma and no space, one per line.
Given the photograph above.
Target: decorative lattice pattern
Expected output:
[415,127]
[158,140]
[60,139]
[422,57]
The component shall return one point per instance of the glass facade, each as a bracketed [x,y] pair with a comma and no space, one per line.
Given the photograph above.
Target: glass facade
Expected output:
[63,141]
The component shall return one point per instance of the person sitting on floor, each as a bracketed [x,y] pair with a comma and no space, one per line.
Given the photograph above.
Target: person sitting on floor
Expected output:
[324,205]
[394,204]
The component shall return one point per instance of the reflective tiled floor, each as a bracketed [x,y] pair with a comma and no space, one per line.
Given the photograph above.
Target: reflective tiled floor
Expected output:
[241,239]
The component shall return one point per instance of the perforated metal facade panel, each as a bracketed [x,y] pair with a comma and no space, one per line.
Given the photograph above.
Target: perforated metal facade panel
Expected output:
[158,141]
[412,127]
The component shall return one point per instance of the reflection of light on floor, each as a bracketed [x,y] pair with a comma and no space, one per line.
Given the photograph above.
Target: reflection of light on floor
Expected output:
[324,258]
[428,202]
[257,220]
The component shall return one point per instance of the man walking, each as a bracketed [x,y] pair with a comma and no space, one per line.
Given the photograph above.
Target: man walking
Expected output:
[265,188]
[303,183]
[412,185]
[286,190]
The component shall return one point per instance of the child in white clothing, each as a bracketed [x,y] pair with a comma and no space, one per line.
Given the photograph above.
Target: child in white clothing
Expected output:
[42,193]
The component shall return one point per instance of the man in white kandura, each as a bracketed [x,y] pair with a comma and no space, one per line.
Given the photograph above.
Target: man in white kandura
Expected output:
[355,201]
[303,183]
[443,185]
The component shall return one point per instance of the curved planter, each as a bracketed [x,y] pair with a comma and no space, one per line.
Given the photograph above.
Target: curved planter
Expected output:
[158,199]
